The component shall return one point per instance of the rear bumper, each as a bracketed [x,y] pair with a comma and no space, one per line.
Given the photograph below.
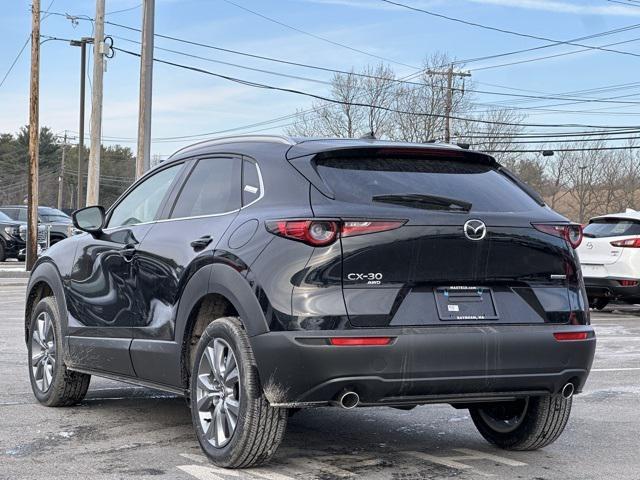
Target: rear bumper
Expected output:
[609,287]
[422,365]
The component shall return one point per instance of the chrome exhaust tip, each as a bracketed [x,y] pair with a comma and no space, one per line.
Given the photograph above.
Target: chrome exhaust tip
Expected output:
[568,391]
[348,400]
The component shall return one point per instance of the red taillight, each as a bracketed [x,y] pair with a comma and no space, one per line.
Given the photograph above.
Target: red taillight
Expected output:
[360,341]
[318,232]
[570,336]
[572,233]
[351,228]
[628,283]
[628,243]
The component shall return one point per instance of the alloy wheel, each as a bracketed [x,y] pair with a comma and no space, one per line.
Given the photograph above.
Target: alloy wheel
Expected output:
[43,352]
[218,392]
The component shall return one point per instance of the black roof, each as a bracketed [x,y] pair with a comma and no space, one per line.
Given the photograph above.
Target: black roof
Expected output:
[294,147]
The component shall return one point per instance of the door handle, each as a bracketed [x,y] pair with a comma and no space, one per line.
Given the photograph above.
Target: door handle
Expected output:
[201,242]
[127,252]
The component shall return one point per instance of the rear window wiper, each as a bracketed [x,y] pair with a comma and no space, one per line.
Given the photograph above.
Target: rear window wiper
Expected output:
[420,200]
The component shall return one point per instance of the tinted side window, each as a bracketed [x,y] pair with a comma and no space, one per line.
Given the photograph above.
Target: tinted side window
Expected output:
[251,185]
[213,187]
[12,213]
[142,203]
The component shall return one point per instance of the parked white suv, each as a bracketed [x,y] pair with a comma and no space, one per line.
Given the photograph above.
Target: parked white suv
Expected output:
[610,258]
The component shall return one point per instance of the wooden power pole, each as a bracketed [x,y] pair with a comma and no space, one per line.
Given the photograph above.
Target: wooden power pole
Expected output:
[61,176]
[143,155]
[450,73]
[93,174]
[448,105]
[34,130]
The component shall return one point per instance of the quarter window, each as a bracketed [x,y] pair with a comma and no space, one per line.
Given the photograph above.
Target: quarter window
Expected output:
[251,185]
[142,203]
[213,187]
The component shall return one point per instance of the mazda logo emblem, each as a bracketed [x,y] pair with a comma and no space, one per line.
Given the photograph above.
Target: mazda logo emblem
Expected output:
[475,230]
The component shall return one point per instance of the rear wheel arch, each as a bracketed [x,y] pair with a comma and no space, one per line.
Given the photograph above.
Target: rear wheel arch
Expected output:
[214,291]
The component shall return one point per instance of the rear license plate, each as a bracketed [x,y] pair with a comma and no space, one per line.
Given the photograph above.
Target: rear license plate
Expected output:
[459,303]
[593,270]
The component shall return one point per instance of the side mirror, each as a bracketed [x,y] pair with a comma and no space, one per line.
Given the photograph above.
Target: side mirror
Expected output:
[89,219]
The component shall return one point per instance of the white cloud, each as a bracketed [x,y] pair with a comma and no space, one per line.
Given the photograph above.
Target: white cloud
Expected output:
[564,7]
[554,6]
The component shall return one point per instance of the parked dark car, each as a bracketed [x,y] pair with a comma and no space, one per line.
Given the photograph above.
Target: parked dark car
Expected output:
[260,274]
[13,236]
[59,223]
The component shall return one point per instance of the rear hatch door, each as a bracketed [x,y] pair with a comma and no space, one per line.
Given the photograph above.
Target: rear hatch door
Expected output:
[467,253]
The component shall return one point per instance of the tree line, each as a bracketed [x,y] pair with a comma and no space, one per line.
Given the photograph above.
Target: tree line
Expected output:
[117,168]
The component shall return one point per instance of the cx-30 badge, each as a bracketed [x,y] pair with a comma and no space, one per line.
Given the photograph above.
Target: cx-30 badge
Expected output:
[474,230]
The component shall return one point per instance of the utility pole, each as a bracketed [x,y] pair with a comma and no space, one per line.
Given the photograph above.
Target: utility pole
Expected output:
[450,73]
[82,43]
[34,130]
[143,156]
[448,106]
[61,176]
[93,174]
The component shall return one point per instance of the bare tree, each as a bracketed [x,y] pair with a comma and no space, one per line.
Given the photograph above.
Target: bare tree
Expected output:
[585,175]
[348,118]
[495,130]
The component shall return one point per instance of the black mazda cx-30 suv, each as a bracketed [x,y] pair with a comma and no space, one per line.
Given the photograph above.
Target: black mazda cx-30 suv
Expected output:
[260,274]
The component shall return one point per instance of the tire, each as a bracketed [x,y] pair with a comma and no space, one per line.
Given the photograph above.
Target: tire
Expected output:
[52,384]
[259,427]
[599,303]
[540,422]
[3,255]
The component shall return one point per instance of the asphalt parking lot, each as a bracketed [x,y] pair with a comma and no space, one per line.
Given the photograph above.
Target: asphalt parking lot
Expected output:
[123,431]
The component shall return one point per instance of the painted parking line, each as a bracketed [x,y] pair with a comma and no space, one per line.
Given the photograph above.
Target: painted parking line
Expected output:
[623,369]
[458,462]
[459,459]
[210,472]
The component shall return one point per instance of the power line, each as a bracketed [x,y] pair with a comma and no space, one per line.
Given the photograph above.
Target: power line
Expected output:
[387,79]
[571,141]
[546,57]
[356,104]
[318,37]
[503,30]
[554,44]
[332,70]
[15,60]
[594,149]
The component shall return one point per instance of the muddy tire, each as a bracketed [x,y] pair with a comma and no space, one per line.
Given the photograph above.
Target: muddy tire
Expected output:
[52,384]
[527,424]
[235,424]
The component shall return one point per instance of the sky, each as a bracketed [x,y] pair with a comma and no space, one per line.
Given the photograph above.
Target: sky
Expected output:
[190,103]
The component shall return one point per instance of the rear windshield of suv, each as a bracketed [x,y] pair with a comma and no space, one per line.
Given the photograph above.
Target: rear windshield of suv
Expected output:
[612,227]
[359,180]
